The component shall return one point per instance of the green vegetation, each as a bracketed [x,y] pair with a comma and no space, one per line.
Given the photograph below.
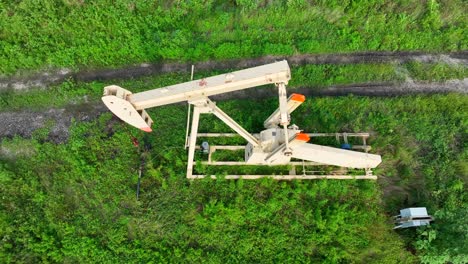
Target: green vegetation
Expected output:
[76,201]
[422,141]
[436,72]
[77,204]
[326,74]
[80,34]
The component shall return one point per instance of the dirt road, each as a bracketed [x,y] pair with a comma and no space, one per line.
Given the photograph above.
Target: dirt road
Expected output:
[24,123]
[44,79]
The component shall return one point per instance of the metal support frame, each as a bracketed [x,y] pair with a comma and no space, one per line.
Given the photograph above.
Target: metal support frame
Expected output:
[243,163]
[193,140]
[290,177]
[305,173]
[214,148]
[188,125]
[188,113]
[358,134]
[232,124]
[363,136]
[205,105]
[284,116]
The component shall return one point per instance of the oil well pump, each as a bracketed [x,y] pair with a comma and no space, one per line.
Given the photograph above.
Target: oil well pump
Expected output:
[280,143]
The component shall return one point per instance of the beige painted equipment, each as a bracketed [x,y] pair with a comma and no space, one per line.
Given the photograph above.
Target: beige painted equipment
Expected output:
[278,144]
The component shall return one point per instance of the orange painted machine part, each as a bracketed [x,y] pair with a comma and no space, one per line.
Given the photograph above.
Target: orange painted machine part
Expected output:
[298,97]
[302,136]
[146,129]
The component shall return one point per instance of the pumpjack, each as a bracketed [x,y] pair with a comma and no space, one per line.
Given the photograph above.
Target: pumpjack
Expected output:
[280,143]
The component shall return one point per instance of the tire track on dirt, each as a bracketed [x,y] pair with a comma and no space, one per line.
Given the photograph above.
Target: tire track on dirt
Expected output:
[24,123]
[44,79]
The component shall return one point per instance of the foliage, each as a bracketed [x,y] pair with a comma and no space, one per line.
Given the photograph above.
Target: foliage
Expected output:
[82,34]
[327,74]
[423,144]
[75,202]
[437,72]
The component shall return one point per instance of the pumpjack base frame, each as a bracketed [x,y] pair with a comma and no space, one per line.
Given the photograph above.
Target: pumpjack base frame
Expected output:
[292,176]
[289,177]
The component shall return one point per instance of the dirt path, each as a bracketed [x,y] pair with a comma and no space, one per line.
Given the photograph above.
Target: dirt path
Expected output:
[365,89]
[44,79]
[24,123]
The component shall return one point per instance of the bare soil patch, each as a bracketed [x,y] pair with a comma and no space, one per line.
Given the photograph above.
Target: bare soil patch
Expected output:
[44,79]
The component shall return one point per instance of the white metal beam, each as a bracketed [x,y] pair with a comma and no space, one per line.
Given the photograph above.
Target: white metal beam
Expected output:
[193,140]
[243,163]
[232,124]
[277,72]
[336,156]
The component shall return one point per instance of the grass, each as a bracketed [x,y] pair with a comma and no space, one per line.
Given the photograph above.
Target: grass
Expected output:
[420,138]
[437,72]
[76,201]
[79,34]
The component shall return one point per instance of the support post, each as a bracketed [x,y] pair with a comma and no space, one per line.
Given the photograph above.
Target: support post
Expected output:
[284,116]
[188,113]
[187,127]
[193,140]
